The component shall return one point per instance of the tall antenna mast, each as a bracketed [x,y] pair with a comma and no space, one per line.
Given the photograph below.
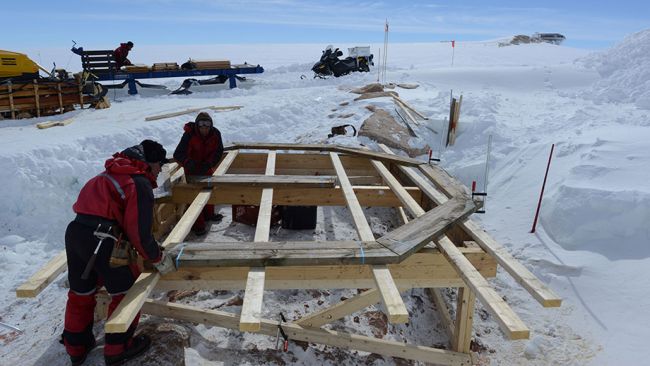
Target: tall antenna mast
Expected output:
[385,51]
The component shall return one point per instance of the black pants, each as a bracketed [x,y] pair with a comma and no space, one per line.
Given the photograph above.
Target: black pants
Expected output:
[80,243]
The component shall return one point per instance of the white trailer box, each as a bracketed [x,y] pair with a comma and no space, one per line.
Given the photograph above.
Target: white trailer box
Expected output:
[359,51]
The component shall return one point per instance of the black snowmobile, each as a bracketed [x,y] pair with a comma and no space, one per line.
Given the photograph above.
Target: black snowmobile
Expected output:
[330,64]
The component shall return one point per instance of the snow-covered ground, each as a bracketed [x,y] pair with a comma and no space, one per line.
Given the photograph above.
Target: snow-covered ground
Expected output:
[592,244]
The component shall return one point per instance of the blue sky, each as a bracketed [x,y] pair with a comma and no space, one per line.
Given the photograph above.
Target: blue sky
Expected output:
[102,23]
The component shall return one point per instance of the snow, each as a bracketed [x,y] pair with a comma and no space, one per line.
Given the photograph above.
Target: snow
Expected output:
[592,239]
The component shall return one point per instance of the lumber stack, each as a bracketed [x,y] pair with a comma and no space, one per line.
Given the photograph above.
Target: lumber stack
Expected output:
[165,66]
[211,64]
[39,98]
[136,68]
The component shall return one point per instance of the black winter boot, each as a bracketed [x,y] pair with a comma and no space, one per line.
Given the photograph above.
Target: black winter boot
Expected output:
[140,344]
[79,360]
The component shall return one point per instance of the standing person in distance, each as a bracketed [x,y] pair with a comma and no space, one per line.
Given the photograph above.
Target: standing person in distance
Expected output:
[198,152]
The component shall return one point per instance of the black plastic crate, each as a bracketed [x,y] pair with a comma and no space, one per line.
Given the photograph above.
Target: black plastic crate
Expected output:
[299,217]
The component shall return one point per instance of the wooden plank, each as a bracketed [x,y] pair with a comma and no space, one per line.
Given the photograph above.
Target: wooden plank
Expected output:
[192,110]
[428,263]
[403,102]
[302,161]
[126,311]
[44,125]
[43,277]
[323,147]
[36,99]
[544,295]
[251,311]
[391,297]
[340,310]
[374,196]
[447,184]
[411,237]
[265,181]
[507,319]
[443,310]
[11,101]
[408,114]
[298,333]
[464,317]
[58,87]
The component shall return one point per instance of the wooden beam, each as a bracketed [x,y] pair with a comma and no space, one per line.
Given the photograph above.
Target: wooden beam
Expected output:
[263,254]
[251,311]
[464,317]
[323,147]
[427,268]
[540,292]
[402,102]
[443,310]
[507,319]
[48,124]
[264,181]
[128,308]
[375,196]
[411,237]
[322,336]
[192,110]
[43,277]
[392,300]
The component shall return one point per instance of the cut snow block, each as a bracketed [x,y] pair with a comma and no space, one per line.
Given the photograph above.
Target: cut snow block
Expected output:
[382,127]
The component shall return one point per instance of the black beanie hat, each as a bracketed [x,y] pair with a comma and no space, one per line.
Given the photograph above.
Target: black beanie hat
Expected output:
[154,152]
[203,116]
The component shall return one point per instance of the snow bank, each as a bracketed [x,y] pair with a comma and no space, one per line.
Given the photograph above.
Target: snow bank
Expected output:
[612,223]
[625,70]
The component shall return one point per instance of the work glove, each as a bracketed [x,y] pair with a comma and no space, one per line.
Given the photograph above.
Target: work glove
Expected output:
[165,265]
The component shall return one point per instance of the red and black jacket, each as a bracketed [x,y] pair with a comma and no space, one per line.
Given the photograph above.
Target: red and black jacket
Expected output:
[198,154]
[130,205]
[121,53]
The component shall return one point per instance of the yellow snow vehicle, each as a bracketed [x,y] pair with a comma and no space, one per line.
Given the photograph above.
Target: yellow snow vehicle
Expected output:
[17,66]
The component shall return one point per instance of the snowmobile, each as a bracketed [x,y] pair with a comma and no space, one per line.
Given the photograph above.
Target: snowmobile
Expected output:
[329,64]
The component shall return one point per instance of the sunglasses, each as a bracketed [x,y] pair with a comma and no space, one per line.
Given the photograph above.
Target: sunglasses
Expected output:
[204,124]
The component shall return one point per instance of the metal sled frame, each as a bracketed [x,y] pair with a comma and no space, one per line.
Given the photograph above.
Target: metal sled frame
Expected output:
[437,247]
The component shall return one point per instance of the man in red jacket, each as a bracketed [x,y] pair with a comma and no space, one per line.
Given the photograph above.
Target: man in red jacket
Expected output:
[121,53]
[199,151]
[120,199]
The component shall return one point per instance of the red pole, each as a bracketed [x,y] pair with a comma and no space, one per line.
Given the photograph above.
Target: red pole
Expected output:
[541,194]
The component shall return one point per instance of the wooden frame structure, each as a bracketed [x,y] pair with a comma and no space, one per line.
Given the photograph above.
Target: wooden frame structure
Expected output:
[437,247]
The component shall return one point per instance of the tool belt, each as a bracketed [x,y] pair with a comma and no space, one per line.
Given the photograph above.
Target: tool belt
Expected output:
[123,253]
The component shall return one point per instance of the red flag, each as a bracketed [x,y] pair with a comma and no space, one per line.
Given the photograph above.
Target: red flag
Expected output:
[453,44]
